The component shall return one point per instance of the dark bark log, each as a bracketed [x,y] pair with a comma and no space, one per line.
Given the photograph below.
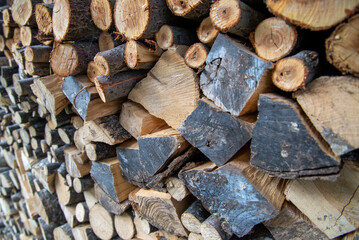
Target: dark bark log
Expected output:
[22,86]
[82,184]
[195,10]
[111,61]
[194,216]
[58,153]
[67,133]
[63,232]
[38,53]
[110,204]
[99,151]
[52,137]
[6,75]
[168,36]
[107,41]
[46,230]
[37,129]
[211,228]
[38,69]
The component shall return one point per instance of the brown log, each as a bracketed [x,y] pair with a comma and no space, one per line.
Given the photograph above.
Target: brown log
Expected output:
[70,214]
[37,69]
[292,73]
[16,38]
[79,140]
[82,212]
[73,167]
[118,86]
[66,133]
[43,14]
[63,232]
[313,15]
[101,13]
[107,41]
[2,44]
[7,18]
[138,56]
[92,71]
[71,20]
[235,16]
[211,229]
[191,9]
[196,55]
[111,61]
[28,35]
[99,218]
[274,39]
[38,53]
[23,12]
[72,59]
[151,15]
[168,36]
[341,48]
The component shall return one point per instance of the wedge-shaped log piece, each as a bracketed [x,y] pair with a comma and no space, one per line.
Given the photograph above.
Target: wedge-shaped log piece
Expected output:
[337,122]
[234,76]
[108,175]
[296,149]
[47,231]
[170,90]
[162,211]
[73,167]
[313,15]
[237,193]
[217,134]
[331,206]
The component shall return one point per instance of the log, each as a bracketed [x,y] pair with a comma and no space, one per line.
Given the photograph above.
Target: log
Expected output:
[331,210]
[79,140]
[313,15]
[99,218]
[108,175]
[168,36]
[43,14]
[234,76]
[176,188]
[46,230]
[84,232]
[63,232]
[191,9]
[195,236]
[274,39]
[109,203]
[92,71]
[28,36]
[340,47]
[68,180]
[99,151]
[90,197]
[337,124]
[52,137]
[106,130]
[151,15]
[38,69]
[23,12]
[38,53]
[236,17]
[82,212]
[196,55]
[82,184]
[237,193]
[77,122]
[292,73]
[170,90]
[37,129]
[71,59]
[19,57]
[101,13]
[22,86]
[47,205]
[73,167]
[138,122]
[2,44]
[299,152]
[8,31]
[6,75]
[7,18]
[66,133]
[194,216]
[118,86]
[108,41]
[71,21]
[111,61]
[211,229]
[124,225]
[207,124]
[139,56]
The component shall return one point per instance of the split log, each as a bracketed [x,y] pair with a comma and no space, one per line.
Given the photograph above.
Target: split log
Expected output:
[63,232]
[71,21]
[139,56]
[151,15]
[82,184]
[82,212]
[47,205]
[108,175]
[101,13]
[176,188]
[79,140]
[236,17]
[337,124]
[66,133]
[111,61]
[313,15]
[168,36]
[73,167]
[71,59]
[194,216]
[6,75]
[207,123]
[84,232]
[191,9]
[211,229]
[106,129]
[38,69]
[299,152]
[292,73]
[99,151]
[274,39]
[170,90]
[124,225]
[28,36]
[234,76]
[237,193]
[23,12]
[341,47]
[332,210]
[118,86]
[102,222]
[38,53]
[90,197]
[109,203]
[108,41]
[92,71]
[196,56]
[43,14]
[138,122]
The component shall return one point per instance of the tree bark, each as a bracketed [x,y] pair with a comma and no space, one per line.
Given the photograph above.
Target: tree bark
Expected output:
[194,216]
[63,232]
[211,228]
[38,69]
[83,184]
[99,151]
[168,36]
[38,53]
[111,61]
[47,205]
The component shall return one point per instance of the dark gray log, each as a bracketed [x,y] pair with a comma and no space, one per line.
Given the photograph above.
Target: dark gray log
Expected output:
[58,153]
[217,134]
[48,207]
[194,216]
[22,86]
[233,76]
[82,184]
[46,230]
[285,143]
[67,133]
[6,75]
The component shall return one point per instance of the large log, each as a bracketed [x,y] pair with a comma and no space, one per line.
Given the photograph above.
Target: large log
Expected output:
[234,76]
[313,15]
[170,90]
[217,134]
[71,20]
[23,11]
[101,13]
[337,123]
[191,9]
[298,152]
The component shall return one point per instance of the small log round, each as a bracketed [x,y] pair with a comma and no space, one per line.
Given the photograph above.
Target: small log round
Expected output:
[92,71]
[168,35]
[102,222]
[138,56]
[101,13]
[196,55]
[107,41]
[64,232]
[37,69]
[43,14]
[7,18]
[211,229]
[99,151]
[38,53]
[124,225]
[82,184]
[27,36]
[206,32]
[8,31]
[191,9]
[82,212]
[111,61]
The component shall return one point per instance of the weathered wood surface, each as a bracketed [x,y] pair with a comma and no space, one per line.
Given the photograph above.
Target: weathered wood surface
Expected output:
[299,152]
[101,13]
[217,134]
[234,76]
[109,203]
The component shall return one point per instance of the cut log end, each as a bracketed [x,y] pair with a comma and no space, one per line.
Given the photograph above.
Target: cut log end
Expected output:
[138,56]
[124,226]
[164,37]
[101,14]
[105,41]
[274,39]
[101,222]
[225,14]
[61,19]
[58,54]
[92,71]
[206,32]
[181,8]
[43,18]
[196,55]
[102,65]
[21,11]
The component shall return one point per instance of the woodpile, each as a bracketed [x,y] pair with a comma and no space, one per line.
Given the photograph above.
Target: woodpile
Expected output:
[179,119]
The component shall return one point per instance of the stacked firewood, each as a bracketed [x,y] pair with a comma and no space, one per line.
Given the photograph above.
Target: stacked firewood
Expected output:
[190,119]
